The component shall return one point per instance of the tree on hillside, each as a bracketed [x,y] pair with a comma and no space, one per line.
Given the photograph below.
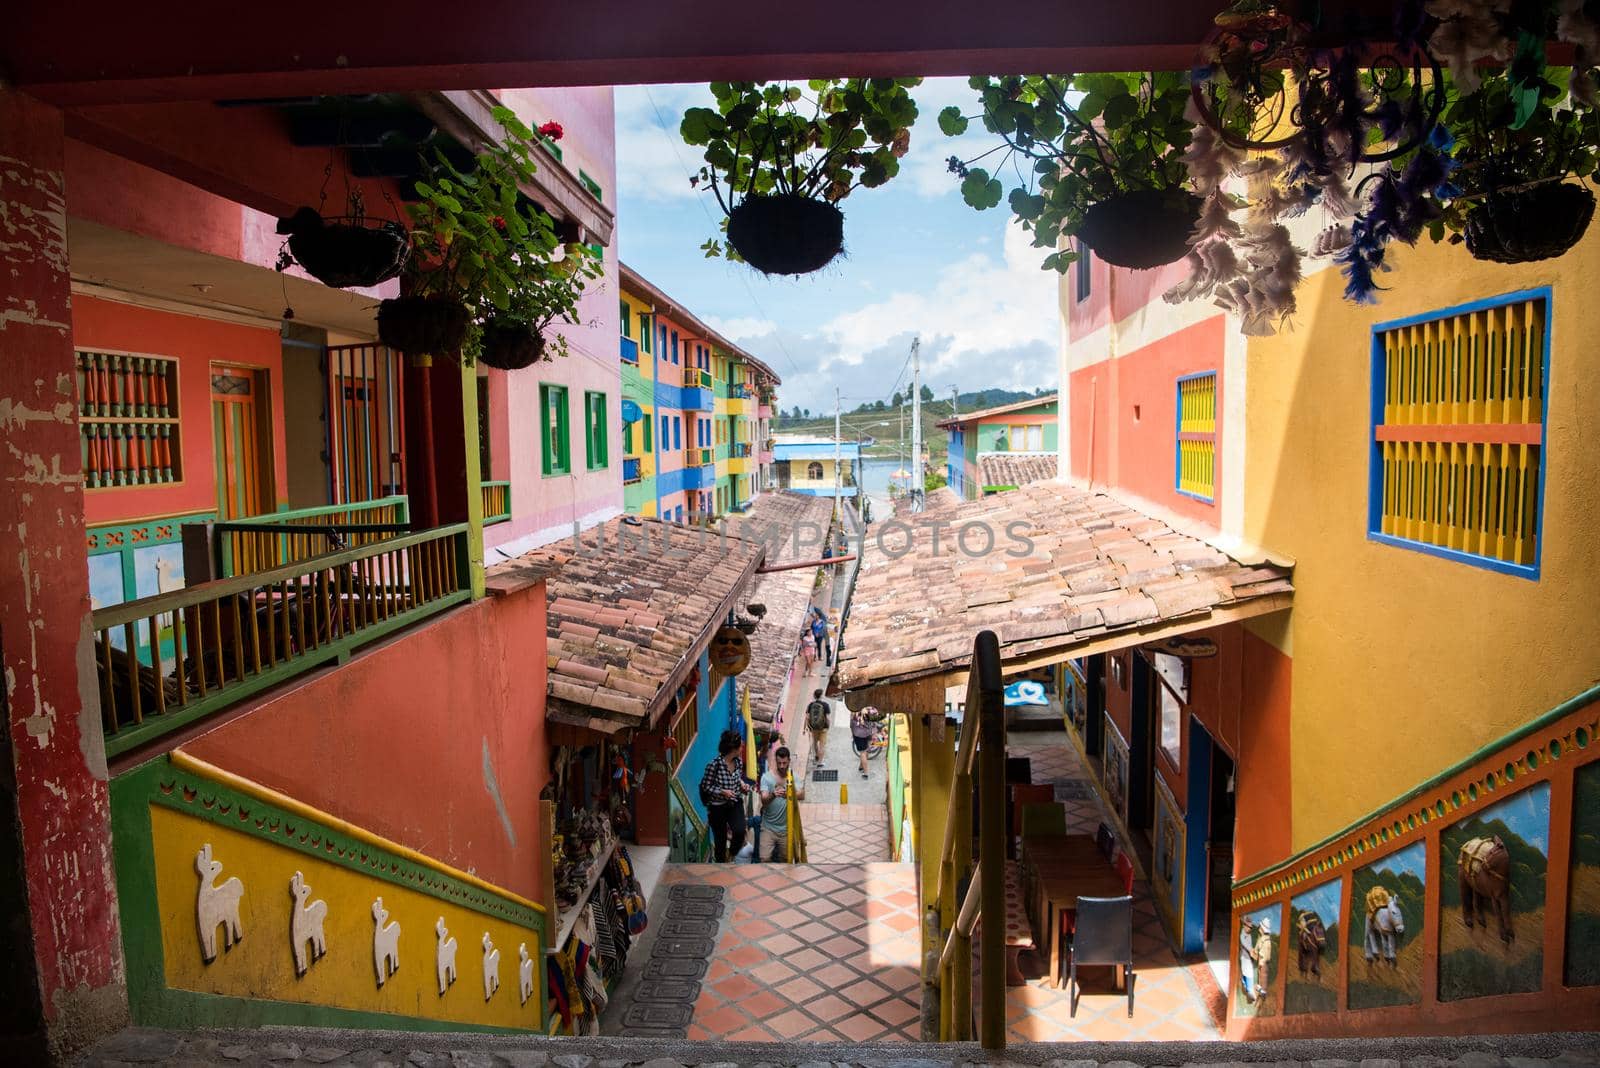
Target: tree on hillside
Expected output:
[877,405]
[897,400]
[805,413]
[927,394]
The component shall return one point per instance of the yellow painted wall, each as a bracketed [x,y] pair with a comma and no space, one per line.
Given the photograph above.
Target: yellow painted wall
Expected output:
[261,964]
[798,479]
[1405,663]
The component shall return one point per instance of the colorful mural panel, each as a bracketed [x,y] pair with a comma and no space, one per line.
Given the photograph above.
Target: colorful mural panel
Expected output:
[1492,898]
[1314,924]
[1583,901]
[1116,769]
[1385,917]
[1167,877]
[1260,939]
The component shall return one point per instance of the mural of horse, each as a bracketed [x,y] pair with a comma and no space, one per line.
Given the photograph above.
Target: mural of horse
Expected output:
[1484,869]
[1313,937]
[1385,925]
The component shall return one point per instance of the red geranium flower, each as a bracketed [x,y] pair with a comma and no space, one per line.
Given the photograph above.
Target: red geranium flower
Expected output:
[552,130]
[499,222]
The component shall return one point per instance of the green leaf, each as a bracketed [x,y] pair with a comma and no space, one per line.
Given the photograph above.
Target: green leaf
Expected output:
[979,190]
[951,122]
[1026,205]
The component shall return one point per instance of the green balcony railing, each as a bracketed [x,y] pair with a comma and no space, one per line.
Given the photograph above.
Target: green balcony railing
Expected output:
[263,542]
[171,659]
[496,501]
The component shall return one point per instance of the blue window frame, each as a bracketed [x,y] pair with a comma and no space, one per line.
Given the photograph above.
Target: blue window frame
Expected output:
[1459,431]
[1195,447]
[674,346]
[677,432]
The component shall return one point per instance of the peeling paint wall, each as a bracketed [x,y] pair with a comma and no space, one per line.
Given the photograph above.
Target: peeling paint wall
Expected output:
[57,757]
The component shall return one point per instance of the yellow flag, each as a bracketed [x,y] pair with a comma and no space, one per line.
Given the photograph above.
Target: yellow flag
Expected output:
[749,738]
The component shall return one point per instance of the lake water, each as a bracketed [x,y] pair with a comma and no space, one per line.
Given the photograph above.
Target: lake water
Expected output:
[874,474]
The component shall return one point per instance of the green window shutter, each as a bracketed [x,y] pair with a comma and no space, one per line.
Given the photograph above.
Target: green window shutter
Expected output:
[594,418]
[645,422]
[545,459]
[626,319]
[646,333]
[627,439]
[556,457]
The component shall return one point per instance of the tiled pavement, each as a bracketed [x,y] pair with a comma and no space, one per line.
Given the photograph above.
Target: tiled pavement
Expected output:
[810,953]
[845,834]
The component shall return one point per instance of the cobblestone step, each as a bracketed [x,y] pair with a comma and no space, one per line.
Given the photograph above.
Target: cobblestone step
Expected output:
[376,1049]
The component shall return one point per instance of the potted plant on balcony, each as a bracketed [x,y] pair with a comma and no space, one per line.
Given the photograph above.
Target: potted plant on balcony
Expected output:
[489,272]
[1107,169]
[350,251]
[779,162]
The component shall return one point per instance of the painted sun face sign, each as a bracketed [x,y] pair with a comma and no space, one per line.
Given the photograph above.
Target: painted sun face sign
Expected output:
[730,651]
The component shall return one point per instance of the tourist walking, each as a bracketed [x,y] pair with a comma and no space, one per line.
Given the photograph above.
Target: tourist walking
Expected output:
[723,791]
[819,634]
[819,717]
[775,804]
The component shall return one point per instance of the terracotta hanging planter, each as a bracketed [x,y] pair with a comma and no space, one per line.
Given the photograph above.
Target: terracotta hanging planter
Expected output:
[423,325]
[510,345]
[786,234]
[1536,223]
[346,252]
[1143,229]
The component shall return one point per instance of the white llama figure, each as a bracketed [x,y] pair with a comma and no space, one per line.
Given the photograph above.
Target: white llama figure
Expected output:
[167,581]
[385,942]
[445,957]
[524,974]
[305,924]
[214,905]
[491,968]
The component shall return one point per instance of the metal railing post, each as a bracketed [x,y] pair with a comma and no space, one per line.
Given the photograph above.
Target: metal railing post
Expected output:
[991,726]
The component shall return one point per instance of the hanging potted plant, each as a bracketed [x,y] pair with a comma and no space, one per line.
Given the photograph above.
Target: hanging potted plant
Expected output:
[779,162]
[1107,170]
[350,251]
[488,272]
[1522,144]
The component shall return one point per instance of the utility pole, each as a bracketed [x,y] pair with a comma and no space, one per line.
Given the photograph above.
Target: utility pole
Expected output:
[838,477]
[917,482]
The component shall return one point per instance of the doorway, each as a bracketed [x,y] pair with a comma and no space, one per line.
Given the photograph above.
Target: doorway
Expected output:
[241,442]
[1219,864]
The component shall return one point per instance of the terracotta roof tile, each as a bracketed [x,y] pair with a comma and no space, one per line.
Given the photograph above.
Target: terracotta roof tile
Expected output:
[1092,566]
[1016,468]
[628,610]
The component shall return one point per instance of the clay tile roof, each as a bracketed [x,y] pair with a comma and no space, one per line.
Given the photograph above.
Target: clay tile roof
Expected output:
[786,594]
[1016,468]
[629,611]
[1096,569]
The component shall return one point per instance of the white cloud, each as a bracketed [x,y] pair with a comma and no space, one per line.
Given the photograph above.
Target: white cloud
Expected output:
[743,328]
[653,163]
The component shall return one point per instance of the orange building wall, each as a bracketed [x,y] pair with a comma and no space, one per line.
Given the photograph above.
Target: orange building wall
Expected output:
[435,740]
[196,343]
[1129,406]
[1263,833]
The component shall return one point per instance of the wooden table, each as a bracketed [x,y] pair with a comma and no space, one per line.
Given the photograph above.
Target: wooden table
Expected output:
[1063,868]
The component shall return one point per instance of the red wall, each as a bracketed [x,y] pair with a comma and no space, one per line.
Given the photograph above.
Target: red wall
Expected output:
[1119,699]
[1262,835]
[1130,406]
[196,342]
[404,739]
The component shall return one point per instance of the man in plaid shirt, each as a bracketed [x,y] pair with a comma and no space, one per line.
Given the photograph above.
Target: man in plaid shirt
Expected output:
[722,790]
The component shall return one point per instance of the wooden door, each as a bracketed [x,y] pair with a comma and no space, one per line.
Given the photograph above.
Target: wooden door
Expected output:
[239,438]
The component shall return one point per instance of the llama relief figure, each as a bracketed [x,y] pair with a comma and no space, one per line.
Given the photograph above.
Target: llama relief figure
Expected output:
[385,943]
[491,968]
[444,957]
[216,906]
[524,974]
[305,925]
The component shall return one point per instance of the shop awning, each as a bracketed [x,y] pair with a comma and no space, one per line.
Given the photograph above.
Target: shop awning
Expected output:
[1069,573]
[631,604]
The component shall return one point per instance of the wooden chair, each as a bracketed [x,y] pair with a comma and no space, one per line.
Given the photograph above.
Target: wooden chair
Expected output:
[1104,936]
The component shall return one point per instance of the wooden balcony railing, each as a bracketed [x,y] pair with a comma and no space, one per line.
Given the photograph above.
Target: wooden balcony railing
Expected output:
[168,660]
[496,501]
[264,542]
[683,730]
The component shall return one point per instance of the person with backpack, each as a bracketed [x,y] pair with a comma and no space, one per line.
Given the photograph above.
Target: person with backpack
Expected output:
[722,789]
[863,725]
[819,717]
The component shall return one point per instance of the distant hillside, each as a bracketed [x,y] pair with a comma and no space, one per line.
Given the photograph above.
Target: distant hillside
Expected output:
[884,424]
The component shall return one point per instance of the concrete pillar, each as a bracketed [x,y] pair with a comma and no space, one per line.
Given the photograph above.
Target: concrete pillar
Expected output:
[62,985]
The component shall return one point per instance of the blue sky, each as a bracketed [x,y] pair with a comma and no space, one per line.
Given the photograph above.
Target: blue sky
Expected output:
[919,261]
[1526,813]
[1324,901]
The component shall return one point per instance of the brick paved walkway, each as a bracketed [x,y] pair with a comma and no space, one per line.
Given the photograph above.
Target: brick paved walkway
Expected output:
[845,834]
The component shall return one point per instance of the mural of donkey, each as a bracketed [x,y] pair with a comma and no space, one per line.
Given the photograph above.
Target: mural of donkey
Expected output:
[1385,925]
[1484,869]
[305,925]
[1313,937]
[385,942]
[444,957]
[216,905]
